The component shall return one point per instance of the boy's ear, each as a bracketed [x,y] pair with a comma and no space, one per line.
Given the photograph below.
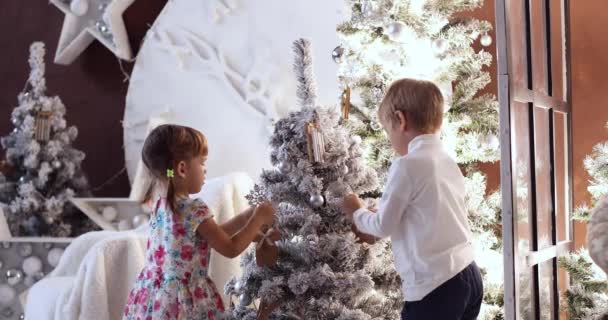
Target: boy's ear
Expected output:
[181,169]
[401,120]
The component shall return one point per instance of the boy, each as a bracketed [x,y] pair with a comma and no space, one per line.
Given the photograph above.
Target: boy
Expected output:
[422,210]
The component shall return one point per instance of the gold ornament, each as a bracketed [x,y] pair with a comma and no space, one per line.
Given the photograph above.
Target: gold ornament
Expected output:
[345,103]
[42,125]
[316,142]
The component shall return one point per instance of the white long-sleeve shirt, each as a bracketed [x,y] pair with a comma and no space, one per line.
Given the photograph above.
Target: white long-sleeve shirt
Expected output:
[422,210]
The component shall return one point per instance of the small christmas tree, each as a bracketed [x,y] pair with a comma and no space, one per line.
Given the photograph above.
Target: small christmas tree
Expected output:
[42,171]
[323,270]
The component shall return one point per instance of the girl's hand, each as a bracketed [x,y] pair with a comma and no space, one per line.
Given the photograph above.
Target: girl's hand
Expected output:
[265,212]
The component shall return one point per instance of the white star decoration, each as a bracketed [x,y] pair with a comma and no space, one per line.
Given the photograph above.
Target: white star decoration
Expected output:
[87,20]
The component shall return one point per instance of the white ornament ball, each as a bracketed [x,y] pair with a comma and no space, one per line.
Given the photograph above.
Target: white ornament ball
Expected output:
[25,250]
[345,170]
[7,295]
[54,256]
[237,286]
[356,139]
[486,40]
[7,312]
[139,220]
[492,141]
[109,213]
[79,7]
[317,200]
[56,164]
[395,31]
[440,45]
[124,225]
[29,281]
[13,277]
[32,266]
[38,276]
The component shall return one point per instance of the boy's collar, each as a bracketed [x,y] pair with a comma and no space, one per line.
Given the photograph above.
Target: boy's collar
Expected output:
[422,139]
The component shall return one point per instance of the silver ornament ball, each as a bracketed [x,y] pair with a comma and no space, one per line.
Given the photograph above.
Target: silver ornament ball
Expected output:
[316,200]
[284,166]
[337,54]
[486,40]
[13,277]
[56,164]
[356,139]
[102,27]
[244,300]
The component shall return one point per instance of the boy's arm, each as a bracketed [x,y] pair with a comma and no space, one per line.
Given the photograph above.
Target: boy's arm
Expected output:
[395,200]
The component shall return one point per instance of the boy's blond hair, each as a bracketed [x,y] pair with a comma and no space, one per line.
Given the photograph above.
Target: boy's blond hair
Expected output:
[420,100]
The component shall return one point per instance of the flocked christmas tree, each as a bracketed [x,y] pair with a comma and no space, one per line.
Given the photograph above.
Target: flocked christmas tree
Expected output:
[385,40]
[323,270]
[42,170]
[587,297]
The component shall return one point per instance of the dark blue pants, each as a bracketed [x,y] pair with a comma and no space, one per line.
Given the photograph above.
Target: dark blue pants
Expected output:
[457,299]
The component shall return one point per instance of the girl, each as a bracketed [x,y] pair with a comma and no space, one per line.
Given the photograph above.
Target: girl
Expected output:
[174,282]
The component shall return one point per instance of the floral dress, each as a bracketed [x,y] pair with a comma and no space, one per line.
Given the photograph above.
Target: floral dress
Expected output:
[174,283]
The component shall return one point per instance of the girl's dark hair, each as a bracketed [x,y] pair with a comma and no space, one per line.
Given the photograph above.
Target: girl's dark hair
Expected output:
[165,147]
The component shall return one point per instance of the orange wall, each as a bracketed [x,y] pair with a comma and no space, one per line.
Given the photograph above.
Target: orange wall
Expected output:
[589,51]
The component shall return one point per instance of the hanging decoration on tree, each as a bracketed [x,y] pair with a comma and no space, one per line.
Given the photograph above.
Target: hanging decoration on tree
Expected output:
[345,103]
[266,251]
[43,125]
[316,142]
[87,20]
[337,54]
[318,253]
[47,168]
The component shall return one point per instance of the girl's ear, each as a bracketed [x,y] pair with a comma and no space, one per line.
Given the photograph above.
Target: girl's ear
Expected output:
[182,169]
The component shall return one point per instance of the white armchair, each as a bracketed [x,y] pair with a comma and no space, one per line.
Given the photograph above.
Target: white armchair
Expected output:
[96,272]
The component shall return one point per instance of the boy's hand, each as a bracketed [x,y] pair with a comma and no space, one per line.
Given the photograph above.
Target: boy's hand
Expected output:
[350,204]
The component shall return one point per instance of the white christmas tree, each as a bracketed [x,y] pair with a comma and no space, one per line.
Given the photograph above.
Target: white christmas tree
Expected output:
[385,40]
[586,299]
[323,270]
[45,168]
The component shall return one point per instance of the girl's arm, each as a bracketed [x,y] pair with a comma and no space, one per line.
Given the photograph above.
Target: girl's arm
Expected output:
[233,245]
[235,224]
